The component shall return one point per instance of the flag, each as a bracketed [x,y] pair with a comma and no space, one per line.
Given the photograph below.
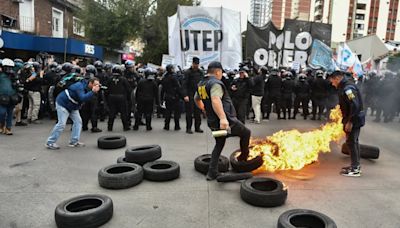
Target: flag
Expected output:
[345,57]
[321,56]
[357,68]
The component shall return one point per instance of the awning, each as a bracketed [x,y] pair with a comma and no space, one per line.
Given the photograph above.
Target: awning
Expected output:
[49,44]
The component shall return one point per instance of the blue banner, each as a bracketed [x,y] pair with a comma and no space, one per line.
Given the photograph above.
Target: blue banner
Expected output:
[321,56]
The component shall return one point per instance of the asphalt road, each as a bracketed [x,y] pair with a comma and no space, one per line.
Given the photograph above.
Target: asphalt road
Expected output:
[33,180]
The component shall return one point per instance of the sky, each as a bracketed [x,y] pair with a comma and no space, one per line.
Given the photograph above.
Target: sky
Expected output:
[243,6]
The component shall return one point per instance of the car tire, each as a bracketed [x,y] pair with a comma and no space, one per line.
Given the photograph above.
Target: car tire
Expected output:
[161,170]
[245,166]
[120,176]
[143,154]
[111,142]
[122,160]
[84,211]
[263,192]
[366,151]
[202,163]
[304,218]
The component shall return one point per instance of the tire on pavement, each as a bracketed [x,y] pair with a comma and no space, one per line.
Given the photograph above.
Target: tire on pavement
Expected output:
[304,218]
[143,154]
[263,192]
[231,177]
[202,163]
[122,160]
[84,211]
[366,151]
[161,170]
[111,142]
[120,176]
[245,166]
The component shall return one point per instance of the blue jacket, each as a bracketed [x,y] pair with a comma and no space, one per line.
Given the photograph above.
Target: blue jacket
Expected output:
[77,93]
[6,85]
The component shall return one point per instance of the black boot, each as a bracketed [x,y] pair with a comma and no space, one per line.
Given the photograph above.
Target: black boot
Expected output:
[148,123]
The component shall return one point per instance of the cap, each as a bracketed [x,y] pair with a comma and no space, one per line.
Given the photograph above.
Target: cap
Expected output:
[215,65]
[196,60]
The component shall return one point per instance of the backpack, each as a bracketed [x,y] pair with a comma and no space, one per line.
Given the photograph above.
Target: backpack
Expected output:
[66,82]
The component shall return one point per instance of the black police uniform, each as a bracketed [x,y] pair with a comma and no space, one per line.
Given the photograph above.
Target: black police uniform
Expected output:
[302,91]
[146,96]
[118,93]
[237,128]
[171,93]
[274,86]
[351,106]
[287,96]
[240,97]
[89,110]
[319,93]
[191,78]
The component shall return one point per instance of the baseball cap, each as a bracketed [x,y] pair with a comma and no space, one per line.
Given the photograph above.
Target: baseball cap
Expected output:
[196,60]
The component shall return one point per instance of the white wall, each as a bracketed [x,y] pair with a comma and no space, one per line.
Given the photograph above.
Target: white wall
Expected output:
[382,19]
[325,14]
[339,16]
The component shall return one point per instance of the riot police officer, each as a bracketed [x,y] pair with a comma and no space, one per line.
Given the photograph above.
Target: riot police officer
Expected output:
[302,91]
[171,93]
[118,93]
[319,93]
[133,78]
[274,88]
[89,108]
[241,93]
[287,94]
[351,106]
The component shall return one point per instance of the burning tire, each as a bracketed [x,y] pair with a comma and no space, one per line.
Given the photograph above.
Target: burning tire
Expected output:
[120,176]
[304,218]
[143,154]
[111,142]
[263,192]
[84,211]
[245,166]
[202,163]
[231,177]
[161,170]
[366,151]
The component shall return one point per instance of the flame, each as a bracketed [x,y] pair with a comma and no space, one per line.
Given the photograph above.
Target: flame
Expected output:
[292,150]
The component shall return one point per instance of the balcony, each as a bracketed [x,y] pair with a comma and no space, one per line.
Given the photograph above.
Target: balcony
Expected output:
[27,24]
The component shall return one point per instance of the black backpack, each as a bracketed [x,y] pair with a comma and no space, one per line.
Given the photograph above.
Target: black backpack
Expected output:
[66,82]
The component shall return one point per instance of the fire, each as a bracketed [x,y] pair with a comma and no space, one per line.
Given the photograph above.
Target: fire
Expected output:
[292,150]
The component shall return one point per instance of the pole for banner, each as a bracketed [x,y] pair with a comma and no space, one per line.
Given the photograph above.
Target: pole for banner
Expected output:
[222,32]
[180,36]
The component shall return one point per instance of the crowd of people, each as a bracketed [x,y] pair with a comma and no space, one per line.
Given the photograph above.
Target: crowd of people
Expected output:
[30,90]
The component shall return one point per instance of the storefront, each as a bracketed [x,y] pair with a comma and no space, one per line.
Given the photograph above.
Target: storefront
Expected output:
[25,46]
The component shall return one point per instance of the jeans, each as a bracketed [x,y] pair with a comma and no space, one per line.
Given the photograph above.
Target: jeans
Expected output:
[256,105]
[238,129]
[352,143]
[34,105]
[63,115]
[6,115]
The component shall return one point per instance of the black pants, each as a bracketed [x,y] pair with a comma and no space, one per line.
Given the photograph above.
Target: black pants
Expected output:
[144,108]
[287,104]
[240,105]
[117,104]
[192,111]
[88,112]
[318,103]
[102,108]
[172,106]
[237,129]
[304,105]
[274,99]
[352,143]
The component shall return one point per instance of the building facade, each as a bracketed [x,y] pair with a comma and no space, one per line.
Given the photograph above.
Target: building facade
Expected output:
[260,12]
[40,22]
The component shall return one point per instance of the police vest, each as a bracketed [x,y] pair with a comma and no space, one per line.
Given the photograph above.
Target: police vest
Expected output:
[351,104]
[204,92]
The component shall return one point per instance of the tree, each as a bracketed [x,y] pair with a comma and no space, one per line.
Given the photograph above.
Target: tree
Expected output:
[110,23]
[155,34]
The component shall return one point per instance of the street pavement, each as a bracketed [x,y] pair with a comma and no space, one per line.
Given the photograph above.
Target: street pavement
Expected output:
[33,180]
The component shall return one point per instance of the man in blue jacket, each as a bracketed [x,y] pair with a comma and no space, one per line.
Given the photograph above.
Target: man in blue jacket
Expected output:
[68,103]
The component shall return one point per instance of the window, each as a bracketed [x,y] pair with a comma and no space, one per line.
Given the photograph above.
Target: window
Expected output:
[361,6]
[360,16]
[78,27]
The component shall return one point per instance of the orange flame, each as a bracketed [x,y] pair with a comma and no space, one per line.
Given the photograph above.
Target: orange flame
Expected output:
[292,150]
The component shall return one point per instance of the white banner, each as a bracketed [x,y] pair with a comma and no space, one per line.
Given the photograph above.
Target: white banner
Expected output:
[166,60]
[201,32]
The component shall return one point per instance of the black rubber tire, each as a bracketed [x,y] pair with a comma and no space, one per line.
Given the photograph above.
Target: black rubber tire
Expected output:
[304,218]
[245,166]
[122,160]
[202,163]
[231,177]
[84,211]
[143,154]
[161,170]
[263,192]
[366,151]
[120,176]
[111,142]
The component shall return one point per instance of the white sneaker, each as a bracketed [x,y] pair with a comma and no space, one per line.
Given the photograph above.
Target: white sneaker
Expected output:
[77,144]
[52,146]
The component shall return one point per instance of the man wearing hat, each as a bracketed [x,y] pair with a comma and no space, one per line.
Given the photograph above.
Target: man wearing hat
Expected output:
[192,77]
[241,93]
[353,114]
[213,98]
